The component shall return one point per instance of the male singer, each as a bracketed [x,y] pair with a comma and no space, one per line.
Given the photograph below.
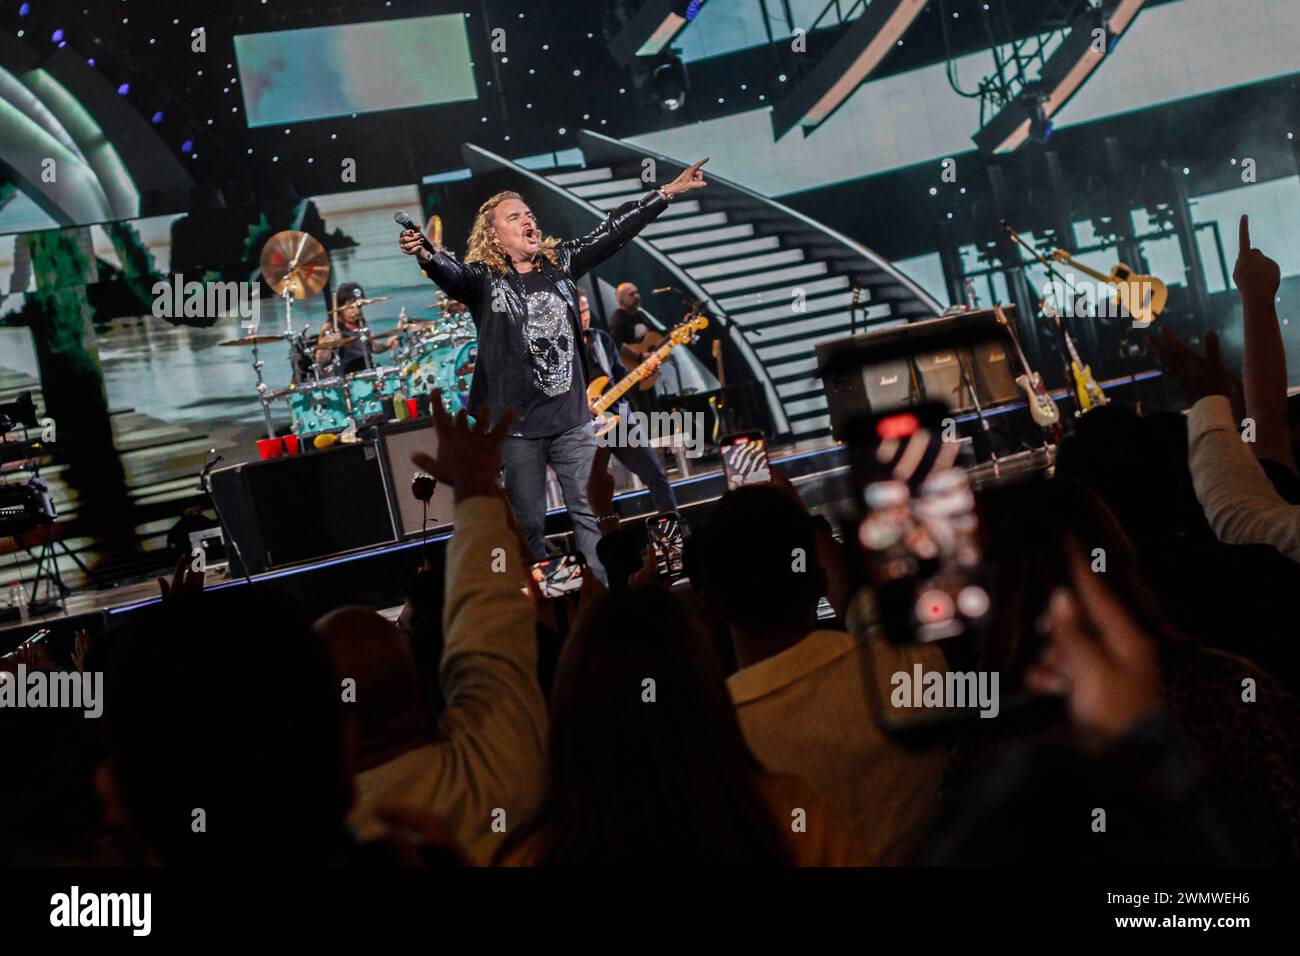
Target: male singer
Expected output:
[520,287]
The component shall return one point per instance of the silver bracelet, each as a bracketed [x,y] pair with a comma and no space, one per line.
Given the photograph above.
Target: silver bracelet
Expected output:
[663,194]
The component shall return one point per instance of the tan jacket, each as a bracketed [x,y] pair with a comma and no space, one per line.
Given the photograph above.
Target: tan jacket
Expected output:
[484,770]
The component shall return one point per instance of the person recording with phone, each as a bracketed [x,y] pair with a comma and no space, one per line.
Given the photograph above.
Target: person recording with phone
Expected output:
[520,287]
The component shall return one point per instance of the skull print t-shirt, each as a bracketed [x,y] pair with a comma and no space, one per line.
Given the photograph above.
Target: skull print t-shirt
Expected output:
[557,397]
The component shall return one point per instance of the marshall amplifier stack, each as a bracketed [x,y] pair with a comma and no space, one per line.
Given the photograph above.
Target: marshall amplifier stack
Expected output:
[942,359]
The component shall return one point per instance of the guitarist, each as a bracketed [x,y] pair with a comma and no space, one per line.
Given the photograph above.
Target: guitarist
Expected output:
[629,326]
[607,358]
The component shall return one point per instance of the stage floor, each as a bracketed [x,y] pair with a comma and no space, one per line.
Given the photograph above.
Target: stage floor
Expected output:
[375,576]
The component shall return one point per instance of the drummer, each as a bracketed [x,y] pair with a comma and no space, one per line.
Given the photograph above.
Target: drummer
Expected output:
[351,320]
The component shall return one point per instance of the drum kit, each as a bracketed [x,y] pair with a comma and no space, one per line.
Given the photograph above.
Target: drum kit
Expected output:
[322,398]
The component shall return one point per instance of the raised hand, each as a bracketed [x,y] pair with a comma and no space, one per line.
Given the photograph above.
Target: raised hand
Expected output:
[691,178]
[1255,274]
[468,456]
[185,580]
[1196,375]
[1097,656]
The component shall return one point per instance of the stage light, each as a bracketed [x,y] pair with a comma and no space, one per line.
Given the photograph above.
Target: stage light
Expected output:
[670,83]
[57,35]
[1040,127]
[187,146]
[124,89]
[25,9]
[156,118]
[1064,73]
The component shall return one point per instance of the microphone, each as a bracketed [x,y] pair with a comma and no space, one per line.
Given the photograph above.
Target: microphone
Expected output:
[406,222]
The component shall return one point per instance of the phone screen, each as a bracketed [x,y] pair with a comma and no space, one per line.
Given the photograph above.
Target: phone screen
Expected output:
[744,459]
[665,534]
[558,575]
[918,533]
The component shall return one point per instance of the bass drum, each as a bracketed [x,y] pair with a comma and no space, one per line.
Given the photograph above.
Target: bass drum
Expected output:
[372,392]
[445,365]
[323,408]
[457,390]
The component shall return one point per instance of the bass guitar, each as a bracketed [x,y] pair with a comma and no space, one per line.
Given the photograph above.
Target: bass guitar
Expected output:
[1142,297]
[602,401]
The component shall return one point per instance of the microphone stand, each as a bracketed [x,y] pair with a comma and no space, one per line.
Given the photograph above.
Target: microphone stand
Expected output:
[1054,315]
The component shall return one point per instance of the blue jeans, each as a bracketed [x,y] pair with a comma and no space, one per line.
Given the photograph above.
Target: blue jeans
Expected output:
[569,454]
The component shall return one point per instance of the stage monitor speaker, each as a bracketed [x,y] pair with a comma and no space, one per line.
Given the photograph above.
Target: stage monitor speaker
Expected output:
[289,510]
[397,441]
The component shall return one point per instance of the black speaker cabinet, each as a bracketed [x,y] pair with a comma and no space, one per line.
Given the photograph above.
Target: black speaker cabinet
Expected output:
[995,375]
[299,508]
[905,364]
[396,442]
[943,380]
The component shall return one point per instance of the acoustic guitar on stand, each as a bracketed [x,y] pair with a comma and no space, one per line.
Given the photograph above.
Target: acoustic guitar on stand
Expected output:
[1143,297]
[602,401]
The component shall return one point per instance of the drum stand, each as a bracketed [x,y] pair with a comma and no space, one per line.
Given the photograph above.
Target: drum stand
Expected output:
[263,390]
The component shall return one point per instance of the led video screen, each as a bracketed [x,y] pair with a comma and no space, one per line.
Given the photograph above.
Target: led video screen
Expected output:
[290,76]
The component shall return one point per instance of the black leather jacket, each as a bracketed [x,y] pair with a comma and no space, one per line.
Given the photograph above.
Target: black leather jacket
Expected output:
[502,371]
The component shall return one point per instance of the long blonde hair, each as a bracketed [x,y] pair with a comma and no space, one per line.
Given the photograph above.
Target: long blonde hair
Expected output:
[483,249]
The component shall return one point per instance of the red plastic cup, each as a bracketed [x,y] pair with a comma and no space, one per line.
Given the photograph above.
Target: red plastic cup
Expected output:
[291,444]
[270,447]
[413,407]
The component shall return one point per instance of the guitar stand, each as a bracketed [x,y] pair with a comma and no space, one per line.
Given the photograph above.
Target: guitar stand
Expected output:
[47,568]
[979,413]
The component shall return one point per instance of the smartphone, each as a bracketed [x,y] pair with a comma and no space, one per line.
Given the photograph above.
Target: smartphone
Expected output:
[665,534]
[744,459]
[917,529]
[558,575]
[919,549]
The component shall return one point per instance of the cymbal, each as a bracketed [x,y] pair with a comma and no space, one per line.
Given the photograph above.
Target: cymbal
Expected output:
[334,341]
[295,261]
[352,302]
[451,305]
[254,340]
[417,326]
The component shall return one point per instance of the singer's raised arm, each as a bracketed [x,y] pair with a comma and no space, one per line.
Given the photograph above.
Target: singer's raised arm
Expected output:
[623,223]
